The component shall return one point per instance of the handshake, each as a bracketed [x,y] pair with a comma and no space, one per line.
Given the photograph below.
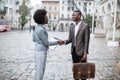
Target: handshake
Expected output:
[60,42]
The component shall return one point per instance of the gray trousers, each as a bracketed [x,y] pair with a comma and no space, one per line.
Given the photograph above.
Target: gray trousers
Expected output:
[40,64]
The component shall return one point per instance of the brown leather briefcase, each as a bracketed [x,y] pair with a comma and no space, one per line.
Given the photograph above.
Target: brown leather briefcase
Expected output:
[83,70]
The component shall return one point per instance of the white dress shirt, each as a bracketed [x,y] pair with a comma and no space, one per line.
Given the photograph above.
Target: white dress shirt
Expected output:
[76,31]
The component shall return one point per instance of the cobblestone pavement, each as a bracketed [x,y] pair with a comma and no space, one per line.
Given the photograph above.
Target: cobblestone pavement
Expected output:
[17,58]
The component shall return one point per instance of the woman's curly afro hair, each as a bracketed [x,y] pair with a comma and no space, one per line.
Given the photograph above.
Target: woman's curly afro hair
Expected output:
[39,16]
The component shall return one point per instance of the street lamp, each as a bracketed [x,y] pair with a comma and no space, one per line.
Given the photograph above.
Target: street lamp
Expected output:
[93,18]
[30,27]
[114,25]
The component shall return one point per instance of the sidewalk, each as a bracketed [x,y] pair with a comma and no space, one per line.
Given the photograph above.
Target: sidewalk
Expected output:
[17,58]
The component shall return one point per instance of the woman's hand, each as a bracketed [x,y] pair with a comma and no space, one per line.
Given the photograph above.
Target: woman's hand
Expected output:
[60,42]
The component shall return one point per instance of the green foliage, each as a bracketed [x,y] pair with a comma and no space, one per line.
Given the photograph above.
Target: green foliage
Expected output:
[88,20]
[24,12]
[2,8]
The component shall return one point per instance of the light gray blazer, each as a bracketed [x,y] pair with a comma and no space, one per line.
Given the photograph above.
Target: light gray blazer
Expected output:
[40,37]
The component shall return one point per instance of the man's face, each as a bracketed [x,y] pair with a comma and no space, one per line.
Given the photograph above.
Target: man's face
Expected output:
[75,16]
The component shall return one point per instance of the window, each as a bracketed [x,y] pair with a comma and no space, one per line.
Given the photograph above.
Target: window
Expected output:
[7,1]
[54,17]
[6,9]
[49,16]
[89,10]
[17,2]
[68,16]
[44,7]
[68,1]
[96,11]
[62,16]
[10,2]
[72,8]
[85,3]
[50,8]
[62,2]
[103,10]
[62,7]
[55,7]
[66,24]
[10,11]
[90,3]
[68,8]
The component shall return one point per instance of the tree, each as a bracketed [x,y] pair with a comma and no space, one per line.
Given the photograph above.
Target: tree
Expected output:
[2,8]
[88,19]
[24,12]
[73,2]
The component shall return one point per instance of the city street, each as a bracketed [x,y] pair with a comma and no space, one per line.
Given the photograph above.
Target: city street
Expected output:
[17,58]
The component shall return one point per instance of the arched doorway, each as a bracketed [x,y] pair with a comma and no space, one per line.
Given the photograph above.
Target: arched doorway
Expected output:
[103,10]
[108,8]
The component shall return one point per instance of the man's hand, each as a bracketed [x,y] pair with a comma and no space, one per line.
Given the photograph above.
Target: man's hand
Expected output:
[85,56]
[61,42]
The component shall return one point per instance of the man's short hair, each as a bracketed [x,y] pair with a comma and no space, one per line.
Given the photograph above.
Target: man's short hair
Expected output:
[78,11]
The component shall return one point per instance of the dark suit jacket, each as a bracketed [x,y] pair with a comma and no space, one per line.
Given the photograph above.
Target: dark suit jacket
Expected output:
[82,39]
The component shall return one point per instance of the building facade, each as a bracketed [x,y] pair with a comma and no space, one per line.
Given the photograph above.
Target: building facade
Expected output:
[108,19]
[63,9]
[12,12]
[12,8]
[66,10]
[85,6]
[52,7]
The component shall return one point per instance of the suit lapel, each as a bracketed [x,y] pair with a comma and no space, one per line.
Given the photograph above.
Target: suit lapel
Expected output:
[74,30]
[81,25]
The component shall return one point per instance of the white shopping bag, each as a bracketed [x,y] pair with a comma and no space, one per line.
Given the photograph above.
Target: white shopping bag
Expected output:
[54,46]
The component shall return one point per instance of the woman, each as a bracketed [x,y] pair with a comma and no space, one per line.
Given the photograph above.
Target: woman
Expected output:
[40,37]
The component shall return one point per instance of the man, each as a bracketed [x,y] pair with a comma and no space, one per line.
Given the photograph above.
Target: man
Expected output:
[79,36]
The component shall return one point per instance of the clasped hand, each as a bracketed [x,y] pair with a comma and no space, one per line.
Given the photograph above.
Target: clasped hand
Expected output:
[61,42]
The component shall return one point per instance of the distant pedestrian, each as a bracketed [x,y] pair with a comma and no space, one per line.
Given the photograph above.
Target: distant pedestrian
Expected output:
[54,27]
[40,37]
[32,28]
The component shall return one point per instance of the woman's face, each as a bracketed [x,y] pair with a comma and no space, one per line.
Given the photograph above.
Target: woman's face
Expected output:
[46,19]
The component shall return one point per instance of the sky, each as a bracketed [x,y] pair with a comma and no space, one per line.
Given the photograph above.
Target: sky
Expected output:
[34,2]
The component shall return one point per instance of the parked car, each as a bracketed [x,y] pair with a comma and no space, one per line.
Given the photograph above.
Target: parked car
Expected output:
[4,25]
